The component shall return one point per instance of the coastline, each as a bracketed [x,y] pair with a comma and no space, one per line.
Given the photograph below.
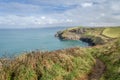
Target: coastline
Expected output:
[94,62]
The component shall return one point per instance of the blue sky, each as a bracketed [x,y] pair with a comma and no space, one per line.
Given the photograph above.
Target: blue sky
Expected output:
[47,13]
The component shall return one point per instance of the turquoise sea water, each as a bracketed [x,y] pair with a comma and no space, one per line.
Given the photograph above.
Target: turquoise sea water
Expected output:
[16,41]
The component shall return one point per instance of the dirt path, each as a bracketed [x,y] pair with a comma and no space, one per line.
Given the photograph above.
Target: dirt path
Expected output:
[97,70]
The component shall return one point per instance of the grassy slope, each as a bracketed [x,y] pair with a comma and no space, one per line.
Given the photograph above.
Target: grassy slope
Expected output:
[112,32]
[110,55]
[68,64]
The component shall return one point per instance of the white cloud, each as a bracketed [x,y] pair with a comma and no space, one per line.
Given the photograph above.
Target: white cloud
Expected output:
[69,20]
[116,7]
[86,4]
[102,14]
[43,17]
[45,12]
[13,20]
[15,7]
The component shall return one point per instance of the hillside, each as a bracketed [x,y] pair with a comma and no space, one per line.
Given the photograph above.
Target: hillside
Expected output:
[100,62]
[112,32]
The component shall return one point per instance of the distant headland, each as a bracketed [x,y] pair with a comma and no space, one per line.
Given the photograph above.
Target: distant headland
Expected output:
[93,36]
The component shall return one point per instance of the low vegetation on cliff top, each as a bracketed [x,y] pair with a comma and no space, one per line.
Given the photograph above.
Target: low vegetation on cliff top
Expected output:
[112,32]
[101,62]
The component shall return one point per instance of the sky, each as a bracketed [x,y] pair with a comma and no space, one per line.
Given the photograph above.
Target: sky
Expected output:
[48,13]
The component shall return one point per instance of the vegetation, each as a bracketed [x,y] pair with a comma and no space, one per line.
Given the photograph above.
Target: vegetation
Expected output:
[100,62]
[112,32]
[67,64]
[110,55]
[92,40]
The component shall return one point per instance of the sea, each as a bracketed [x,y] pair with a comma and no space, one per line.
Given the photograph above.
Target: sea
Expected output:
[18,41]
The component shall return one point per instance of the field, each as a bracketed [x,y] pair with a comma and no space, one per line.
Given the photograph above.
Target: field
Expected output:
[112,32]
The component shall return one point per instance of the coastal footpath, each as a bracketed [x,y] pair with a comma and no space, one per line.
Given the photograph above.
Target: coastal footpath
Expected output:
[101,61]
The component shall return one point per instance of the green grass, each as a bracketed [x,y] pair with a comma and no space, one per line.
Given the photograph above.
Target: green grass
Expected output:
[24,73]
[66,64]
[110,55]
[112,32]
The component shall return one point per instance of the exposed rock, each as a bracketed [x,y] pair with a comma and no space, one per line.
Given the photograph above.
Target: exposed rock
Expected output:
[78,31]
[69,34]
[58,34]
